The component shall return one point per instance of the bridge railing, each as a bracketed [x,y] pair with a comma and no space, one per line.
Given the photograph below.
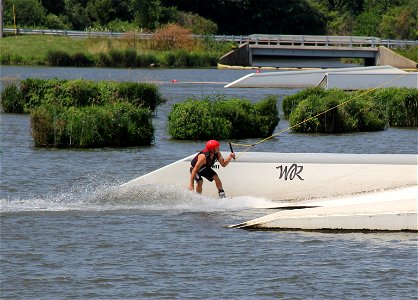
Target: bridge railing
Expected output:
[257,39]
[315,40]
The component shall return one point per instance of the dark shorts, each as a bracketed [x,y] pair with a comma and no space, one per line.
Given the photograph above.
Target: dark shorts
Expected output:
[208,173]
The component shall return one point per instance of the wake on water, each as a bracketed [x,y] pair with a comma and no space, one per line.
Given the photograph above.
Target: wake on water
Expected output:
[144,197]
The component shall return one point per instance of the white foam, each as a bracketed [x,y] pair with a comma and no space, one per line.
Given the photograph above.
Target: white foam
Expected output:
[146,197]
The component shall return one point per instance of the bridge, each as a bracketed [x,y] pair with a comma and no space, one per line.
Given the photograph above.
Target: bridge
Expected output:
[298,51]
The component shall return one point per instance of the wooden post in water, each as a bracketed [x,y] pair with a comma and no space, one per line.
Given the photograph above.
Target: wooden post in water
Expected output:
[1,19]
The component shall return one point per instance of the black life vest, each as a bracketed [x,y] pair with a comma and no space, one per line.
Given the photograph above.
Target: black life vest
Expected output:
[209,161]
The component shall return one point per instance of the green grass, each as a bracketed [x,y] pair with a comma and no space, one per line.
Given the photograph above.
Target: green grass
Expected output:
[409,52]
[33,49]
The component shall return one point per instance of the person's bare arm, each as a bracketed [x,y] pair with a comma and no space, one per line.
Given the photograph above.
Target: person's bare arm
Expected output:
[224,162]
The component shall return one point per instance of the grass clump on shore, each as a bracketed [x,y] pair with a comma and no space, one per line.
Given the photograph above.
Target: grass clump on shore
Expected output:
[222,118]
[169,47]
[357,111]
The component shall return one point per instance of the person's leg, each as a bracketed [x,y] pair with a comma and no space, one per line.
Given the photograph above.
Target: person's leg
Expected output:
[218,183]
[199,185]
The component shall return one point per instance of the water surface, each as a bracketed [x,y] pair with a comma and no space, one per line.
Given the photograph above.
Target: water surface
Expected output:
[69,231]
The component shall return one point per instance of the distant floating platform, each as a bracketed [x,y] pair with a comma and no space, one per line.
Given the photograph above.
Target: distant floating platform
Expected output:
[344,78]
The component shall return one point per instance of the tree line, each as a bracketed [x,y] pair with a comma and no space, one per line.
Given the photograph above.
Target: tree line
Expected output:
[396,19]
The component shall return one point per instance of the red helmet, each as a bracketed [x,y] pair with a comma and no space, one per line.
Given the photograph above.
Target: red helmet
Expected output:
[212,145]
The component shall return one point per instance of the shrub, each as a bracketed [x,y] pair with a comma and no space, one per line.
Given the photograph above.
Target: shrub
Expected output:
[82,60]
[401,105]
[290,102]
[268,114]
[196,23]
[146,60]
[140,94]
[130,58]
[176,59]
[172,36]
[11,98]
[111,125]
[360,114]
[42,123]
[36,92]
[58,58]
[117,58]
[193,119]
[5,58]
[103,60]
[222,118]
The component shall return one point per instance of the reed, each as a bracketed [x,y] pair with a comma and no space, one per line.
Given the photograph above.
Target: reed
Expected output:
[292,101]
[401,105]
[111,125]
[222,118]
[365,112]
[34,92]
[11,98]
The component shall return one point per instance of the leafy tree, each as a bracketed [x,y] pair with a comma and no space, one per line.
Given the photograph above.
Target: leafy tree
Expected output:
[77,13]
[367,23]
[101,11]
[196,23]
[257,16]
[56,7]
[53,21]
[400,22]
[353,7]
[28,12]
[146,13]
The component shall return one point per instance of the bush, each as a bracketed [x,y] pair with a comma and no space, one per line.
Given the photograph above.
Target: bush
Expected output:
[58,58]
[222,118]
[82,60]
[35,92]
[130,58]
[403,108]
[103,60]
[193,119]
[117,58]
[140,94]
[11,98]
[361,114]
[401,105]
[146,60]
[171,37]
[111,125]
[290,102]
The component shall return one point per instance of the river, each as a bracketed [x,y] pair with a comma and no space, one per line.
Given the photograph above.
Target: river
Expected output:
[68,232]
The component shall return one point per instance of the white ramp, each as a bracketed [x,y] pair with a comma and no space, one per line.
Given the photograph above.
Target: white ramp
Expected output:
[299,79]
[394,210]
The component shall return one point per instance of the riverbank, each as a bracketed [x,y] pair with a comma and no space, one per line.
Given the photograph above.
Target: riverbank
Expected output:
[104,52]
[123,52]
